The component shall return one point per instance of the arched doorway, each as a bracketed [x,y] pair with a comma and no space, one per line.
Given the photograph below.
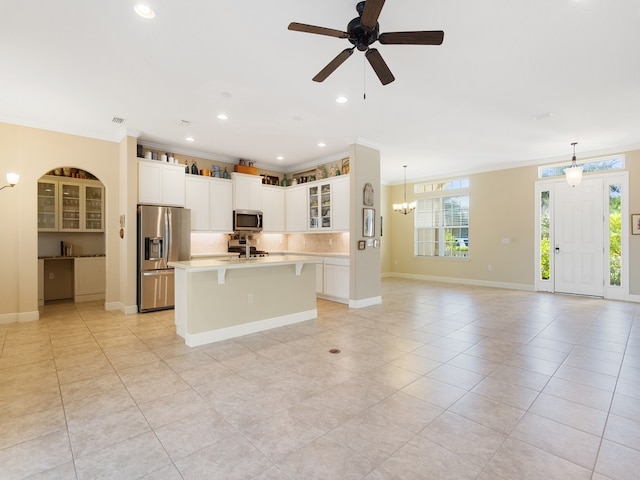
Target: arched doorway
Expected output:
[71,236]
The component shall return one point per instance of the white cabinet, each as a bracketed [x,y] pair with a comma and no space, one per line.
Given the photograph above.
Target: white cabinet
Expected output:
[273,207]
[321,206]
[210,202]
[221,205]
[296,208]
[161,183]
[197,200]
[336,278]
[340,203]
[89,278]
[319,202]
[247,192]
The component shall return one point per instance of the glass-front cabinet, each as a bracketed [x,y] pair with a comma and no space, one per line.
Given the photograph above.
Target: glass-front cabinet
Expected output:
[320,206]
[70,206]
[93,208]
[47,206]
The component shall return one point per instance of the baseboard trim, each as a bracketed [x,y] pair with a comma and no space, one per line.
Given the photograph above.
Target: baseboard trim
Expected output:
[19,317]
[365,302]
[127,310]
[464,281]
[204,338]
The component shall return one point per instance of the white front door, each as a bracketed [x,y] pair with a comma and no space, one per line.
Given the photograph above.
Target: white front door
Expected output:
[579,238]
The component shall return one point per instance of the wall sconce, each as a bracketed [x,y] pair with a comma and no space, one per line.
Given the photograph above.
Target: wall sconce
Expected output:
[12,180]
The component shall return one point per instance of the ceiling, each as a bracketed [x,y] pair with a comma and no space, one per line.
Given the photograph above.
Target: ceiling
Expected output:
[514,83]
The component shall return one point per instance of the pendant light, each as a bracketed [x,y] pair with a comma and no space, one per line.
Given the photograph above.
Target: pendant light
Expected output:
[573,173]
[404,207]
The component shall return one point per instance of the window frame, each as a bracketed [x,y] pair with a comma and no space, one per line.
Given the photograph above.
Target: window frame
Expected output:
[440,191]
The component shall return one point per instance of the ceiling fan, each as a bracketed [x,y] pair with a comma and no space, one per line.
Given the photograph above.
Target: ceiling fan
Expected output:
[364,30]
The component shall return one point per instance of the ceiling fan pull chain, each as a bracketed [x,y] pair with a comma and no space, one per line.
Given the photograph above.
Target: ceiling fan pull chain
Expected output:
[364,79]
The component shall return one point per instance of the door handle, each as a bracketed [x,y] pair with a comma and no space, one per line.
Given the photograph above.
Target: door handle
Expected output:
[557,249]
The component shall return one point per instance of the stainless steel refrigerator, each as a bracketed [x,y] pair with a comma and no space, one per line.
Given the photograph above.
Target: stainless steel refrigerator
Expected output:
[164,235]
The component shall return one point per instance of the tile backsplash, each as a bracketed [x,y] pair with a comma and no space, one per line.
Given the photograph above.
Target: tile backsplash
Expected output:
[319,242]
[211,243]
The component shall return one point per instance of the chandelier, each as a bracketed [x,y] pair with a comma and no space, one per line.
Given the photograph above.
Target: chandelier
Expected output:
[404,207]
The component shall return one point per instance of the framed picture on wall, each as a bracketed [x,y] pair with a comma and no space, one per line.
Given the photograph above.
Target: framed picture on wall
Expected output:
[635,224]
[368,222]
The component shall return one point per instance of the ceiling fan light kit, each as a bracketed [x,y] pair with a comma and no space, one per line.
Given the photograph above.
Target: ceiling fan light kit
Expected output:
[363,31]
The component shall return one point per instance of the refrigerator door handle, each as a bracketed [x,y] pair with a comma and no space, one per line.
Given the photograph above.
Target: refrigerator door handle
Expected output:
[167,236]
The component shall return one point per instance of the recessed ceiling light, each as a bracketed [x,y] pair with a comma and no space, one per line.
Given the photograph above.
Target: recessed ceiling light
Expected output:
[342,100]
[144,11]
[190,139]
[222,116]
[279,157]
[322,144]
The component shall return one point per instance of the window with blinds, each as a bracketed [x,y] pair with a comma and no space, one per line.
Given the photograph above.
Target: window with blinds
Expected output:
[442,220]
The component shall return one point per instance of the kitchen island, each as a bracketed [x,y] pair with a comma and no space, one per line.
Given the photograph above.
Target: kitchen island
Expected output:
[220,299]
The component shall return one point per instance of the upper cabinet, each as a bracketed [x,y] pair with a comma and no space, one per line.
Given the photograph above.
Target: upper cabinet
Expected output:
[273,207]
[326,206]
[296,208]
[70,205]
[47,205]
[340,203]
[247,192]
[161,183]
[210,201]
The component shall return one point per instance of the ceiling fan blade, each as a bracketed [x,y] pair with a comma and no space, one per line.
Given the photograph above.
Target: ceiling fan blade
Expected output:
[379,66]
[330,32]
[333,64]
[412,38]
[372,9]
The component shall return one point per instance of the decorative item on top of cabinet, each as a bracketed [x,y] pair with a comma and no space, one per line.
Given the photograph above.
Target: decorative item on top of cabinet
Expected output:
[345,166]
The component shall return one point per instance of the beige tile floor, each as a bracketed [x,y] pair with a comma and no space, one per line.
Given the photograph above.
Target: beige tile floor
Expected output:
[438,382]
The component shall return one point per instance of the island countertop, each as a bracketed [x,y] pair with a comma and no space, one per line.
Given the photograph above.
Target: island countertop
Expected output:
[205,264]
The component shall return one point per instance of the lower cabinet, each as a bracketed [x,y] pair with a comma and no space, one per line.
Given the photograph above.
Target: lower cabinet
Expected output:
[335,279]
[89,278]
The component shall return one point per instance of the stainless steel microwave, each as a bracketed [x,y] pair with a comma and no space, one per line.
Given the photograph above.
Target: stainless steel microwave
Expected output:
[247,221]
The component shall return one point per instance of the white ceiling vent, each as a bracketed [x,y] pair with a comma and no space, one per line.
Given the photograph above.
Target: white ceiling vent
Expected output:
[118,120]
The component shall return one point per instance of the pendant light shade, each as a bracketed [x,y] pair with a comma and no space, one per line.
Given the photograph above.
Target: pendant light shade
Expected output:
[404,207]
[574,172]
